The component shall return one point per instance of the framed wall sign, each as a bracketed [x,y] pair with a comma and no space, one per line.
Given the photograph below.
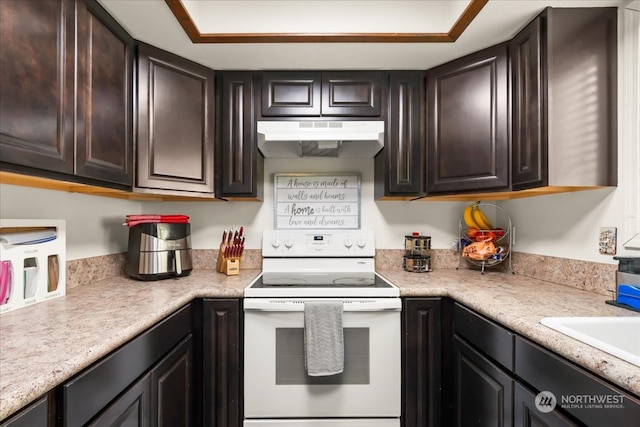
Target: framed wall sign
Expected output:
[308,201]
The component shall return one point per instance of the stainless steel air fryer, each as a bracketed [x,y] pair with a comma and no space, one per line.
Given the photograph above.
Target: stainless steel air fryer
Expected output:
[159,251]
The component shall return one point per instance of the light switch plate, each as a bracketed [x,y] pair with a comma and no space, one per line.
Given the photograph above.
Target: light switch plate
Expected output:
[607,240]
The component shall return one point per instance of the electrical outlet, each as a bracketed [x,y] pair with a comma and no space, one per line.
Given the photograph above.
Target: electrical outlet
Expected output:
[607,240]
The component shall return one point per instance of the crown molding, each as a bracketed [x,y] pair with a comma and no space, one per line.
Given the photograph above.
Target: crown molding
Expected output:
[182,15]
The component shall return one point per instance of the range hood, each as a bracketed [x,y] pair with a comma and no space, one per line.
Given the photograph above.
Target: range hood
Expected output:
[290,139]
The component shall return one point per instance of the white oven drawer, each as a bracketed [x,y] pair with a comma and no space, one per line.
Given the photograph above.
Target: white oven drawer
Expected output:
[390,422]
[276,384]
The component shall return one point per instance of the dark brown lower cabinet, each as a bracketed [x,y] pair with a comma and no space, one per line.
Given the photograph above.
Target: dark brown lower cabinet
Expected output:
[222,363]
[162,397]
[34,415]
[498,375]
[146,382]
[483,393]
[172,392]
[526,414]
[421,391]
[133,408]
[590,400]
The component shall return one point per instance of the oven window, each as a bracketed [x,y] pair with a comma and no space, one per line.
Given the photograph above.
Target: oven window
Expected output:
[290,358]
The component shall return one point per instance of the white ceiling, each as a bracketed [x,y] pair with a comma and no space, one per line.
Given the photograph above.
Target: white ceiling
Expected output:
[152,22]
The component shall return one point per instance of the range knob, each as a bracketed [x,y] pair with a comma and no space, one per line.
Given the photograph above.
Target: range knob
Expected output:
[275,243]
[362,243]
[348,243]
[288,243]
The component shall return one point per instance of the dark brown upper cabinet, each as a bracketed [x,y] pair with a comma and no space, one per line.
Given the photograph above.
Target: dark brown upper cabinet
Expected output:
[104,147]
[290,94]
[327,93]
[564,79]
[399,167]
[357,94]
[175,125]
[66,100]
[239,165]
[467,122]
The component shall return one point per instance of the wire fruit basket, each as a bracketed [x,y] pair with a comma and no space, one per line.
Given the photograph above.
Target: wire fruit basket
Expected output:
[485,236]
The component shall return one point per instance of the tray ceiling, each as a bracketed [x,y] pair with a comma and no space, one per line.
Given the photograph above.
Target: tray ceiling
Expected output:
[340,34]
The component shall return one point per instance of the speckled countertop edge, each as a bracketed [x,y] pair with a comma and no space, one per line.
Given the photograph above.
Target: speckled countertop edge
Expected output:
[59,338]
[518,303]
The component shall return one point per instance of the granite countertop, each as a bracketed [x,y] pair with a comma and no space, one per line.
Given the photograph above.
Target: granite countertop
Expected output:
[56,339]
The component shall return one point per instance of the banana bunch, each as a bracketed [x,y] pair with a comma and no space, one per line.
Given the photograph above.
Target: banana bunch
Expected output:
[475,218]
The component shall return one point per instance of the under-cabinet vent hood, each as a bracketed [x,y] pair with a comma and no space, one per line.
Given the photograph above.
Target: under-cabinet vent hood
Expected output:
[289,139]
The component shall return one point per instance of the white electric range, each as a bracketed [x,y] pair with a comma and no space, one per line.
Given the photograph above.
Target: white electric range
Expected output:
[332,266]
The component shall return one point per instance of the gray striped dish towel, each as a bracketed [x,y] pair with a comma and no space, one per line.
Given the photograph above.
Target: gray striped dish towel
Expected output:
[323,338]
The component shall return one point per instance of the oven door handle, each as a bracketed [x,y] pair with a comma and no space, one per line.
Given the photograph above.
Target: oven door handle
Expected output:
[267,304]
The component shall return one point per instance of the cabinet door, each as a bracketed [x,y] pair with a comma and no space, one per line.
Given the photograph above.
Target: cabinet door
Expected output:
[290,94]
[353,94]
[483,394]
[399,168]
[89,392]
[422,374]
[131,409]
[526,414]
[175,122]
[104,148]
[467,110]
[37,84]
[172,391]
[529,150]
[546,371]
[239,162]
[34,415]
[221,363]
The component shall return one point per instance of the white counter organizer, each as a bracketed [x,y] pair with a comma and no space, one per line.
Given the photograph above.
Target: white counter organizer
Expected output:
[33,262]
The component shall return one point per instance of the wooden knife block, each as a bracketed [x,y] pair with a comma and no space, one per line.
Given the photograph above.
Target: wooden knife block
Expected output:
[227,265]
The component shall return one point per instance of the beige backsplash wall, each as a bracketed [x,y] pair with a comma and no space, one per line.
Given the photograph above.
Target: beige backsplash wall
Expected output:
[589,276]
[562,226]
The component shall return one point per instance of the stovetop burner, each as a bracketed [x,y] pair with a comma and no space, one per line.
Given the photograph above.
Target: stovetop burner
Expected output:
[355,281]
[320,285]
[328,280]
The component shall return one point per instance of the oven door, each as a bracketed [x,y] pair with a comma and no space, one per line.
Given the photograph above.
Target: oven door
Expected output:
[276,384]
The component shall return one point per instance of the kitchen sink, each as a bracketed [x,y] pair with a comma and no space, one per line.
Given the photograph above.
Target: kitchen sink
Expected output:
[619,336]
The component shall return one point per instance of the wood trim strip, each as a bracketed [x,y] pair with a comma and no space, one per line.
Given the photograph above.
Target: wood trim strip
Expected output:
[473,8]
[189,27]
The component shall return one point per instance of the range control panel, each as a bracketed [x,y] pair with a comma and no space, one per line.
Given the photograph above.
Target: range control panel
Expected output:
[318,243]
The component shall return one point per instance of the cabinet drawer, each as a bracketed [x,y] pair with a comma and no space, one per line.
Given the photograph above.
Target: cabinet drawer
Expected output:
[89,392]
[489,337]
[577,391]
[34,415]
